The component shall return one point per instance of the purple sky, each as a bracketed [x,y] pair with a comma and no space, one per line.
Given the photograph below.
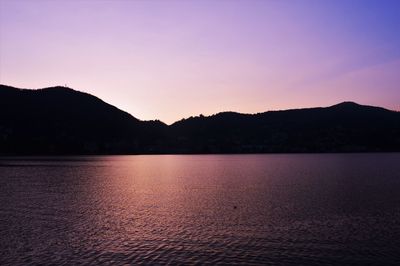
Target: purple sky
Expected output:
[173,59]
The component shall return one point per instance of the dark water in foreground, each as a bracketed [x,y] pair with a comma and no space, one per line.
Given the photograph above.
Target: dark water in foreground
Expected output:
[243,209]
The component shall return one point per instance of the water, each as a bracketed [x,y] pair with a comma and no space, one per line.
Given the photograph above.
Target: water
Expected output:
[209,209]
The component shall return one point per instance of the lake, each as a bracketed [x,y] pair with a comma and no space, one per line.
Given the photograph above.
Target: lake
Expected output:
[300,209]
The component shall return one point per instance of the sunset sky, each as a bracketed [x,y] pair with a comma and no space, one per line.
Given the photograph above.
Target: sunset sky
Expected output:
[172,59]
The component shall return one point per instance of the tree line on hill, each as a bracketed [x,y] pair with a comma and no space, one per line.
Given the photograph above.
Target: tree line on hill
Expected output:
[60,120]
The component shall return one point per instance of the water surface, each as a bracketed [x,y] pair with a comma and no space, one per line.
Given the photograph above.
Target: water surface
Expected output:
[214,209]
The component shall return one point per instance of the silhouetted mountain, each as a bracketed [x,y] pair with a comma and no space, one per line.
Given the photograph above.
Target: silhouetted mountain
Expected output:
[340,128]
[60,120]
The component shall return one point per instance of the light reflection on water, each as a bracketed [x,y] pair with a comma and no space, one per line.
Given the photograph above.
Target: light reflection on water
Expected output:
[256,209]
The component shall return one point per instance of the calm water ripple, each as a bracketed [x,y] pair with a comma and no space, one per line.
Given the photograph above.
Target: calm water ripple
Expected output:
[331,209]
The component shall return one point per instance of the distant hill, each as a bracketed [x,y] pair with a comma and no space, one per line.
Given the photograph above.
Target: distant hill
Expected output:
[60,120]
[345,127]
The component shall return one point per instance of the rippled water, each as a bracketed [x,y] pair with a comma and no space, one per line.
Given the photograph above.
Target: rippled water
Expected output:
[244,209]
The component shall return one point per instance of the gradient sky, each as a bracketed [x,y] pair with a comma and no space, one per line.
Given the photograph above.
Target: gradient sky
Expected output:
[172,59]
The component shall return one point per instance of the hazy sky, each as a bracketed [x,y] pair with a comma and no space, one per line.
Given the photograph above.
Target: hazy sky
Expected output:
[173,59]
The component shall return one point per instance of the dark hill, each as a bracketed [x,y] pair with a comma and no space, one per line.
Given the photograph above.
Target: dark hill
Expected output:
[60,120]
[346,127]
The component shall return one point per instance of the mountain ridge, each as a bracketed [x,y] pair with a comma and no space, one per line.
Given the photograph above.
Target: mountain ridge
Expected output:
[70,90]
[61,120]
